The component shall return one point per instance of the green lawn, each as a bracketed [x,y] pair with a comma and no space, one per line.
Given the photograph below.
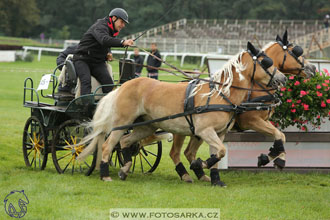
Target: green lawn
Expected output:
[52,196]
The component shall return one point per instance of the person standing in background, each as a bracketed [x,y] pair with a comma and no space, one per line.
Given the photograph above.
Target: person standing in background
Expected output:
[153,62]
[138,59]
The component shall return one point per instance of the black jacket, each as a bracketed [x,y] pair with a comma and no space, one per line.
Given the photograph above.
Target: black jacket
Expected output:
[138,60]
[62,57]
[96,42]
[151,61]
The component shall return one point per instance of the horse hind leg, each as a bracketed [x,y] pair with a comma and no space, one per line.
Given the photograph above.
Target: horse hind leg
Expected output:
[107,149]
[190,154]
[126,141]
[175,156]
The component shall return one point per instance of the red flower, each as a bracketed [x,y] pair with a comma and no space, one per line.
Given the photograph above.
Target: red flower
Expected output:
[324,84]
[292,106]
[303,128]
[289,100]
[289,90]
[328,101]
[319,93]
[283,89]
[302,93]
[325,70]
[293,110]
[318,87]
[306,107]
[291,77]
[298,101]
[323,105]
[318,116]
[297,83]
[327,81]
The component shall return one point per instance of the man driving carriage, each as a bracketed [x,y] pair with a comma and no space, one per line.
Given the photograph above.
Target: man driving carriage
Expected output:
[94,49]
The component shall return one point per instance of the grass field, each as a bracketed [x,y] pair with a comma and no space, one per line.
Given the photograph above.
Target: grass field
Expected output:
[52,196]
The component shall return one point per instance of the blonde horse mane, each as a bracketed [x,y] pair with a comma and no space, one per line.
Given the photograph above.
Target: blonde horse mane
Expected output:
[225,75]
[268,45]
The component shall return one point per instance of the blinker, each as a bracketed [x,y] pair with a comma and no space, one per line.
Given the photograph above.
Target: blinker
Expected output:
[266,62]
[298,51]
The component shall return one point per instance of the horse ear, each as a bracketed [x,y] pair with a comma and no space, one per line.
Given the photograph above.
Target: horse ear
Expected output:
[253,50]
[278,38]
[285,37]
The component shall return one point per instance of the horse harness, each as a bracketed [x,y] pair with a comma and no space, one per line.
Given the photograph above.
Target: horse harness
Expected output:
[295,53]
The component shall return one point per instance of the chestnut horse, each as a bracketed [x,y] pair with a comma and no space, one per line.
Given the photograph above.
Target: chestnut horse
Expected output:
[148,99]
[288,60]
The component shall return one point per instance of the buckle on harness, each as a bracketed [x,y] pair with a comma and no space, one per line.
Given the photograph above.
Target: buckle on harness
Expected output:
[199,109]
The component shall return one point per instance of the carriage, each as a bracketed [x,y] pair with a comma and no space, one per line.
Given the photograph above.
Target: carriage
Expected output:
[57,125]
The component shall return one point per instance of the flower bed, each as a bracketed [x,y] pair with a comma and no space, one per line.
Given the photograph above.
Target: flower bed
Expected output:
[304,102]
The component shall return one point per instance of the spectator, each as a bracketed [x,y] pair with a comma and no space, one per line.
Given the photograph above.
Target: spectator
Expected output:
[326,21]
[153,62]
[93,48]
[138,59]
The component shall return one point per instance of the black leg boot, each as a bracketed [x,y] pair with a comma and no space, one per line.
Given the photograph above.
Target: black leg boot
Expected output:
[215,178]
[104,171]
[181,170]
[127,154]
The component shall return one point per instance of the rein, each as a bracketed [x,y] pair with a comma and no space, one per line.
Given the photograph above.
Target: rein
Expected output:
[205,80]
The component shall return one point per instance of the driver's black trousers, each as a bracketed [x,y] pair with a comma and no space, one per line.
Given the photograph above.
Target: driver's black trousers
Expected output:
[86,69]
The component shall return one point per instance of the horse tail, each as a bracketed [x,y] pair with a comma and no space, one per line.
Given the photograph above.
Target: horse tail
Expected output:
[100,126]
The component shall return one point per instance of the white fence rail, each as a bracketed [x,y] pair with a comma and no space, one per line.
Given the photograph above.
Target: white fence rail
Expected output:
[219,60]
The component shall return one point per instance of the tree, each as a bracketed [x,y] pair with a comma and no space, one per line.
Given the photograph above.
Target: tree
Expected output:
[18,17]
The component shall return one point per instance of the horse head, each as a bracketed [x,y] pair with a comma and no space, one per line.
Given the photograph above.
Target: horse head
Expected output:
[263,69]
[289,58]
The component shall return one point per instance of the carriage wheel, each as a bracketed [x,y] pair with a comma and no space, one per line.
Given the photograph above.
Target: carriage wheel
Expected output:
[148,158]
[145,159]
[34,144]
[64,152]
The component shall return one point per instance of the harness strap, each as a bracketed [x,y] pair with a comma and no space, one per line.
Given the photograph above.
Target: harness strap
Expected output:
[189,104]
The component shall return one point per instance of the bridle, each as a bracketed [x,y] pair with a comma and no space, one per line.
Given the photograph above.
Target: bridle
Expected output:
[286,50]
[265,63]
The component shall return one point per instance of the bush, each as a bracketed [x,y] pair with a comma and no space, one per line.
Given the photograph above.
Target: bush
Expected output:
[304,101]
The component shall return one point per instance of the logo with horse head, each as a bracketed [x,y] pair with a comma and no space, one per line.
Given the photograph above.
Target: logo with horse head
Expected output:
[15,204]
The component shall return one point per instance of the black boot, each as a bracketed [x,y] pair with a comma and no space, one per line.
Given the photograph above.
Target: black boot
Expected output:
[215,178]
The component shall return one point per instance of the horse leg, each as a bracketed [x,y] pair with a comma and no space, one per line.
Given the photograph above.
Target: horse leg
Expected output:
[277,151]
[190,154]
[126,141]
[107,148]
[217,150]
[175,156]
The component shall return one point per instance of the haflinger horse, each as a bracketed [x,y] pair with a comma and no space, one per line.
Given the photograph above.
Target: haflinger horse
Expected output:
[288,59]
[149,99]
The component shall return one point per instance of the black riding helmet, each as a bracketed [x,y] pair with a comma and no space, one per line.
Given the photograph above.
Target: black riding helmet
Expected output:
[119,13]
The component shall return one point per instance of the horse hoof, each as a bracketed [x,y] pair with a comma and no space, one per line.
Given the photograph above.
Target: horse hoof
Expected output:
[195,164]
[205,178]
[279,163]
[122,175]
[106,179]
[263,160]
[187,178]
[219,183]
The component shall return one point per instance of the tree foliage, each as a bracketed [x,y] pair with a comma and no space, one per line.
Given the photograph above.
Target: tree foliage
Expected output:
[71,18]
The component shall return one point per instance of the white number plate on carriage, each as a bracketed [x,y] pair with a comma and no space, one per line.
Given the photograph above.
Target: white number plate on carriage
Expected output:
[44,82]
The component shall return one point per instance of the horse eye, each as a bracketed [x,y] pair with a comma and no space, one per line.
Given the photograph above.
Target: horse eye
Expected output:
[267,62]
[298,51]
